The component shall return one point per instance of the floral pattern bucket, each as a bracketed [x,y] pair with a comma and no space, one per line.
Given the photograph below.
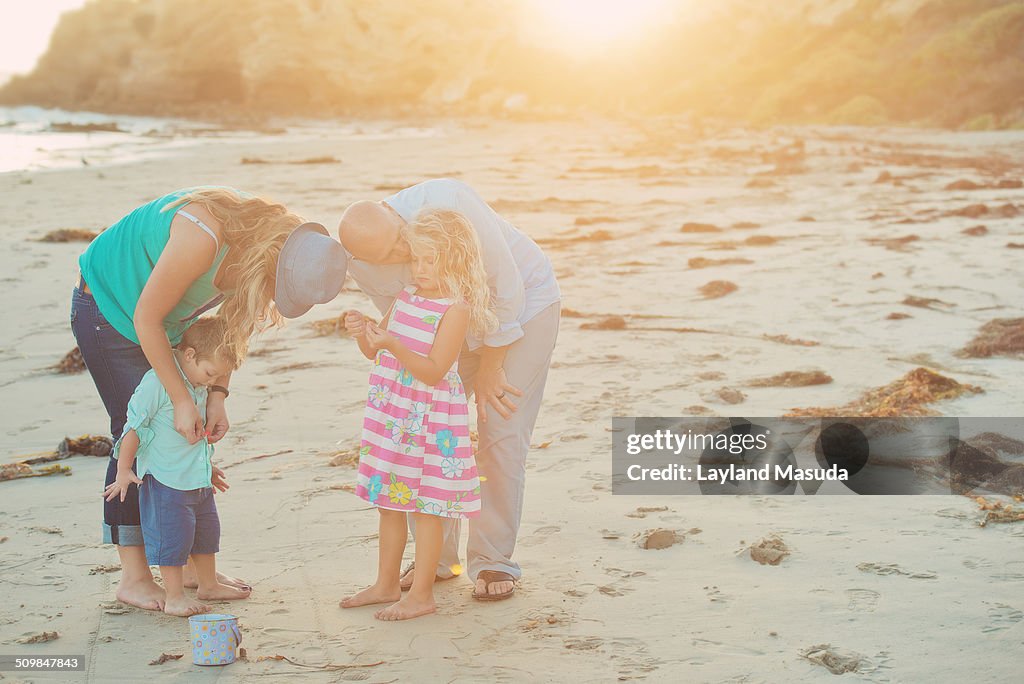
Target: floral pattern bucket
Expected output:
[214,638]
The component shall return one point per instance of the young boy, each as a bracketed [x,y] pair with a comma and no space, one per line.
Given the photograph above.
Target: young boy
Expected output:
[179,516]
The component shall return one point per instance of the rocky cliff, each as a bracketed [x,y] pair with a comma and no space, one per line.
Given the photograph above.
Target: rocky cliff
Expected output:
[954,63]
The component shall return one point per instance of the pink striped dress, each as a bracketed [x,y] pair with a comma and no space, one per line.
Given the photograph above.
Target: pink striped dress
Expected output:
[415,454]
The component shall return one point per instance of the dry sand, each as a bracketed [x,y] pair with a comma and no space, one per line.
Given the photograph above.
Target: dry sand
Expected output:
[902,588]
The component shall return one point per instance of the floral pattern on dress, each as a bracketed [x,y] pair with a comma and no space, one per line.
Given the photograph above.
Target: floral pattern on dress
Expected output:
[416,454]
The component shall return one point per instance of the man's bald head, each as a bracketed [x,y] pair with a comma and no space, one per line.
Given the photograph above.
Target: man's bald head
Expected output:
[371,232]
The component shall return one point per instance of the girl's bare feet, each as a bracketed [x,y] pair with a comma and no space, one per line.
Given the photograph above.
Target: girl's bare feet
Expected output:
[223,592]
[145,594]
[406,609]
[192,582]
[370,595]
[184,607]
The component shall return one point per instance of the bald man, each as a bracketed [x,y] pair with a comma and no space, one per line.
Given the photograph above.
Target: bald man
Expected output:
[506,370]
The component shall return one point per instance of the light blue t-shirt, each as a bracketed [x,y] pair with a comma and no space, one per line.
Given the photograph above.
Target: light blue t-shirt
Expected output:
[163,452]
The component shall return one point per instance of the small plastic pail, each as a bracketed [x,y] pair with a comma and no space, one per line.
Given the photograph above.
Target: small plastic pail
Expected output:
[214,638]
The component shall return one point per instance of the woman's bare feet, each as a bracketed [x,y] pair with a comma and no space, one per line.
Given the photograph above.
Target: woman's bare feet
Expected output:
[223,592]
[145,594]
[183,606]
[406,609]
[371,595]
[192,582]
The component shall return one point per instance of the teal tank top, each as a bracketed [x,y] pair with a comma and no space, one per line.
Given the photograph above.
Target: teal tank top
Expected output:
[119,261]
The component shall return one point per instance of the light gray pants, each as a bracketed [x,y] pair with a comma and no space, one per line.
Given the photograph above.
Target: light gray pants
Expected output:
[501,453]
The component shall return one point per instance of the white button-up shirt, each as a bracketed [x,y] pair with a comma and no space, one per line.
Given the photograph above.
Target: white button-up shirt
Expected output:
[519,275]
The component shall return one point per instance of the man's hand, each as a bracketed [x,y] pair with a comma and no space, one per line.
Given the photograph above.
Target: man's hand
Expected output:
[355,323]
[216,417]
[492,389]
[220,483]
[119,487]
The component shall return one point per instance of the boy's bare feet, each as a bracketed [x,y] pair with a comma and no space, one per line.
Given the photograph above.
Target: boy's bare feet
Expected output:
[371,595]
[223,592]
[147,594]
[406,609]
[184,607]
[192,582]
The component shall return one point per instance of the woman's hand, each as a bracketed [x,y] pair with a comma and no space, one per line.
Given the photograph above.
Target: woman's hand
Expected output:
[492,389]
[355,323]
[218,480]
[380,339]
[187,421]
[119,487]
[216,417]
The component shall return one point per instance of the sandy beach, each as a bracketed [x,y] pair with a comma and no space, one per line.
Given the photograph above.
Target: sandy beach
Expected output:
[693,262]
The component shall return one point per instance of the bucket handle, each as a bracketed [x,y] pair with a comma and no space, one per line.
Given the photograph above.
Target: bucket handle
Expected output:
[238,633]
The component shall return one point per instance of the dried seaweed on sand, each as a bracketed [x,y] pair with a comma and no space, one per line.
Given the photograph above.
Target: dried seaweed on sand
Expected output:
[329,326]
[998,337]
[793,379]
[904,397]
[998,512]
[18,471]
[71,363]
[718,288]
[69,235]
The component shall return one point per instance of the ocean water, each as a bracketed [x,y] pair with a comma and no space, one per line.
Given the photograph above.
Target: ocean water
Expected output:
[35,138]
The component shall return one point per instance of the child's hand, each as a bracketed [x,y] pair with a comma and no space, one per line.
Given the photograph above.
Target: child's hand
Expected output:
[119,486]
[219,482]
[379,339]
[355,323]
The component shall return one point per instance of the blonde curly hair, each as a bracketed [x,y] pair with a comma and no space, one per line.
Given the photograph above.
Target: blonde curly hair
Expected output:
[450,238]
[255,229]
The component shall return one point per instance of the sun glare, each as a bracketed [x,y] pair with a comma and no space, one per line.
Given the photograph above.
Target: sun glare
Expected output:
[587,25]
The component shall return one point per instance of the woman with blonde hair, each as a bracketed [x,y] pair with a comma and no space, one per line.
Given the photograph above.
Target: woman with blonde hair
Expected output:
[147,278]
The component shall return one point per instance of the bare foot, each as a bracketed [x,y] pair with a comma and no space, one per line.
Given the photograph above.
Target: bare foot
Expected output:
[147,595]
[184,607]
[191,582]
[406,609]
[370,595]
[223,592]
[483,588]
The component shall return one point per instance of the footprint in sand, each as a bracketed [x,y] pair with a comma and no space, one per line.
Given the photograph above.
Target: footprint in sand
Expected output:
[540,535]
[724,648]
[893,569]
[584,643]
[1002,616]
[976,563]
[862,600]
[614,591]
[715,595]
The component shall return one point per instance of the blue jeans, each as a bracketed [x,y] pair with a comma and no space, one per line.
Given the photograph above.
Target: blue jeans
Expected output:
[177,523]
[116,365]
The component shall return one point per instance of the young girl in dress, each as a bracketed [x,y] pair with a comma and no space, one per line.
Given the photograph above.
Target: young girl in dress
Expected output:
[416,457]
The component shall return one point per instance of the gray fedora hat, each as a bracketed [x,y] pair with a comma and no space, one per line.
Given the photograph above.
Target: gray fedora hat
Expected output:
[310,270]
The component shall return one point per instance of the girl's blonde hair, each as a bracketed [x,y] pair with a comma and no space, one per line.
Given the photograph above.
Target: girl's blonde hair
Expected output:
[254,229]
[449,236]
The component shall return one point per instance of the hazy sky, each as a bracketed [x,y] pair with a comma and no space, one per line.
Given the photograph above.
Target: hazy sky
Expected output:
[25,27]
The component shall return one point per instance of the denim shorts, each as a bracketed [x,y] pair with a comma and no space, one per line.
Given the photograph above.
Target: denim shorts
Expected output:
[177,523]
[116,365]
